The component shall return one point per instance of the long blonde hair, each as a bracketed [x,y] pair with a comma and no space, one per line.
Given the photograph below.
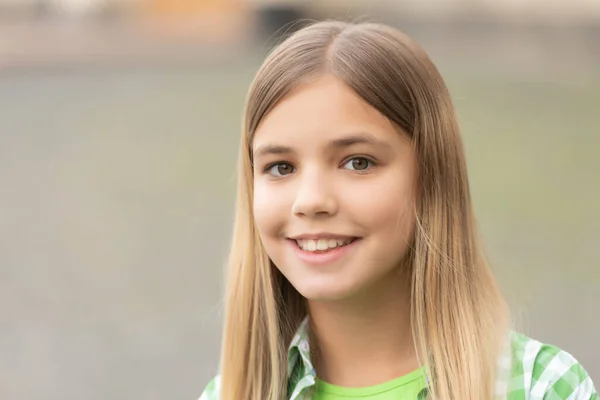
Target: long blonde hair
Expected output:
[459,318]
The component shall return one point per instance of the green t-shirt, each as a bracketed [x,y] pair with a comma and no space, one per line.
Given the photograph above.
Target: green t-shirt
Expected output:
[406,387]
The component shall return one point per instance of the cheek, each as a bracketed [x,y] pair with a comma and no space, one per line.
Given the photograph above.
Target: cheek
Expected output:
[259,208]
[392,212]
[269,210]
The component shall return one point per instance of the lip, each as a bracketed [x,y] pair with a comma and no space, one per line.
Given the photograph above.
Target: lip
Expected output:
[325,257]
[322,235]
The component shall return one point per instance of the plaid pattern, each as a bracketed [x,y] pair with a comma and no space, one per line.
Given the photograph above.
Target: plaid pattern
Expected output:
[528,370]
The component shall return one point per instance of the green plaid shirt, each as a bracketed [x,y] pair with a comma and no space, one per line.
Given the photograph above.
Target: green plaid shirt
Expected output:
[528,370]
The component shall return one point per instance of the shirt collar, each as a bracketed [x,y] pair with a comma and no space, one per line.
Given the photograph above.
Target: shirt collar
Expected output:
[302,375]
[301,372]
[299,352]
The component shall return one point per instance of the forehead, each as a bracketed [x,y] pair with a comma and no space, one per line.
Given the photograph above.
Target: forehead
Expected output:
[320,110]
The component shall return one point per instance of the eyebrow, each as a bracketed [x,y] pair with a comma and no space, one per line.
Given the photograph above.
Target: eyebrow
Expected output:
[358,138]
[346,141]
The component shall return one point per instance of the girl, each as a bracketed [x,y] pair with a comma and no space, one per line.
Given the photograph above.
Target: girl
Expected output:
[355,270]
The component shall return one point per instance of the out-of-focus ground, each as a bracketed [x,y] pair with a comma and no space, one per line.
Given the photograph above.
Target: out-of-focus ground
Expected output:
[118,140]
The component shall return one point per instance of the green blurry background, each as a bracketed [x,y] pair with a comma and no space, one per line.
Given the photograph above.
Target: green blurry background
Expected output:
[118,143]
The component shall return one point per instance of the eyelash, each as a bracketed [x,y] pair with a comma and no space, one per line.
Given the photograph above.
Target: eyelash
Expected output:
[372,163]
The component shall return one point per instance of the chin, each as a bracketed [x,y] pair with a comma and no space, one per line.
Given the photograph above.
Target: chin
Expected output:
[324,292]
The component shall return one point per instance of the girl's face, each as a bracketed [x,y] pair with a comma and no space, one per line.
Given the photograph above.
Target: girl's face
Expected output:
[334,191]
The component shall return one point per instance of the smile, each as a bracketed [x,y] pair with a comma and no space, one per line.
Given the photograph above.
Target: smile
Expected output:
[313,245]
[325,251]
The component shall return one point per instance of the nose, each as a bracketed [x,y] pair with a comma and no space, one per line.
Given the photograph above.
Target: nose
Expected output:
[315,195]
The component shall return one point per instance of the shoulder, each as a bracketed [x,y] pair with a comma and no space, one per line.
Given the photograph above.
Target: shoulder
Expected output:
[213,390]
[545,372]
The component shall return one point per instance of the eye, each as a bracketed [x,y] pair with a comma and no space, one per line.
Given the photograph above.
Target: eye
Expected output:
[358,164]
[279,169]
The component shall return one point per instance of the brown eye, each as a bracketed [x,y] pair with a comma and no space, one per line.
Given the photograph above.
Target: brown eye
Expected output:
[281,169]
[358,164]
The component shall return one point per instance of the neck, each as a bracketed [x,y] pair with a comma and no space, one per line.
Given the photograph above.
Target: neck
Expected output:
[364,340]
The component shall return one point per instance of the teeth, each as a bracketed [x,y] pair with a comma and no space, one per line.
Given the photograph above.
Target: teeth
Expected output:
[321,244]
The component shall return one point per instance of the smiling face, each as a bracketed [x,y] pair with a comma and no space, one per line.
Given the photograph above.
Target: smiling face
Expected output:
[334,191]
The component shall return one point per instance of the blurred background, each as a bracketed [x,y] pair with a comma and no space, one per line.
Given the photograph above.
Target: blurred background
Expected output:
[119,123]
